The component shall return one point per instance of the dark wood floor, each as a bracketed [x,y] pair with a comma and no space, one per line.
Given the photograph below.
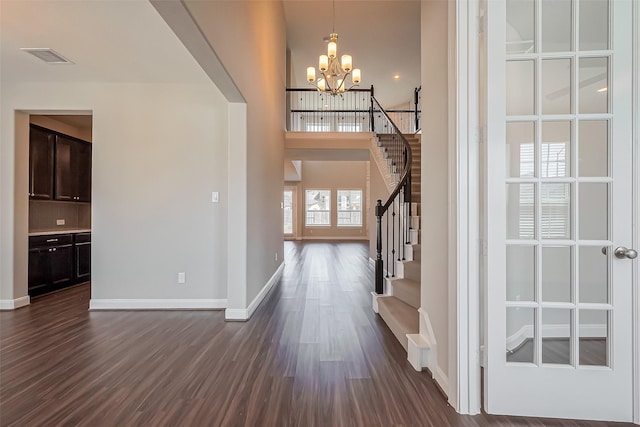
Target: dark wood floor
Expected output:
[314,354]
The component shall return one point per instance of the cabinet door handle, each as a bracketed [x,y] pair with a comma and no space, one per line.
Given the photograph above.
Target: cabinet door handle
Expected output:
[52,240]
[54,249]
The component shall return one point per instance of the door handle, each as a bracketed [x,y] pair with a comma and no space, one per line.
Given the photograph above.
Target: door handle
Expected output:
[621,253]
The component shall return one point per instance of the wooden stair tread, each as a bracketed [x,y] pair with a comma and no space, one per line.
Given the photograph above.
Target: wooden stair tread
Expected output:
[400,317]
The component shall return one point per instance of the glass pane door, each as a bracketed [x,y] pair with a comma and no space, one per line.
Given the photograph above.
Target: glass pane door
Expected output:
[560,299]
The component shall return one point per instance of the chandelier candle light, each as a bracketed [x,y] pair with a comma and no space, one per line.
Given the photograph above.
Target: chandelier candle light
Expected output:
[334,73]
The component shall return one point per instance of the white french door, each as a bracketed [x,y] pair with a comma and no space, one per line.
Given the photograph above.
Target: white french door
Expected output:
[559,209]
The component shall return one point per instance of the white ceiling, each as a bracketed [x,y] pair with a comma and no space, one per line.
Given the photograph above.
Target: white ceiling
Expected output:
[127,41]
[382,36]
[108,41]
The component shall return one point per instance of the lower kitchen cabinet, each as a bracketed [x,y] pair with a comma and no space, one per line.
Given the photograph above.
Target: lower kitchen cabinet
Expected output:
[50,263]
[58,261]
[82,257]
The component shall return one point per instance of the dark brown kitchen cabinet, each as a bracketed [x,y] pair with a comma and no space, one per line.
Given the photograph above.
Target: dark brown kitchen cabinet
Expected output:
[41,162]
[82,171]
[83,257]
[51,263]
[73,170]
[59,166]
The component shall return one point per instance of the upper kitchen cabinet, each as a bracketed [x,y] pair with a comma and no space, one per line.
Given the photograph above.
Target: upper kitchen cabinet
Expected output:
[59,166]
[41,149]
[73,169]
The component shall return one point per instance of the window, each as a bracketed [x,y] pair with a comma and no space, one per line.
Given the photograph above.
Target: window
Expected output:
[349,127]
[318,207]
[349,208]
[318,127]
[288,212]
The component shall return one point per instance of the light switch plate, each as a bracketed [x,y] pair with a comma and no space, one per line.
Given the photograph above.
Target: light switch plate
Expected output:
[60,222]
[215,197]
[182,278]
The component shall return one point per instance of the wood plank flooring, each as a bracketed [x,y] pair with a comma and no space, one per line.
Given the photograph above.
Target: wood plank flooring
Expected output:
[314,354]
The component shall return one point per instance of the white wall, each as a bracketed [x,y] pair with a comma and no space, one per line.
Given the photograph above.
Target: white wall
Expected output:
[435,175]
[159,150]
[249,39]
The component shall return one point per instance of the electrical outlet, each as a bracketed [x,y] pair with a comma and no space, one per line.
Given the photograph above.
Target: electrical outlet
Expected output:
[60,222]
[182,278]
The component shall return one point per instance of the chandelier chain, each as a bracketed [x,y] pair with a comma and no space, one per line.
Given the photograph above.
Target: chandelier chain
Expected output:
[333,18]
[333,72]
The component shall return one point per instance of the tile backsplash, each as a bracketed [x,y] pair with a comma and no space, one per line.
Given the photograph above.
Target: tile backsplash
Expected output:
[43,215]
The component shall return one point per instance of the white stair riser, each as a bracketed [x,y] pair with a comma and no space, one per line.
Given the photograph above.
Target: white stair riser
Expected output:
[414,237]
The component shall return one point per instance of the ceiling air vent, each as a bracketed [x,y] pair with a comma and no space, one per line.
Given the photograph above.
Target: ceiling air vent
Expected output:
[47,55]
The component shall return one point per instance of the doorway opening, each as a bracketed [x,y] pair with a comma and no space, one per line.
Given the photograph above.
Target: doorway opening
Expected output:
[58,211]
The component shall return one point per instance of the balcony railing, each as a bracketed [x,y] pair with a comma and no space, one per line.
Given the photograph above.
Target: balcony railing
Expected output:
[311,111]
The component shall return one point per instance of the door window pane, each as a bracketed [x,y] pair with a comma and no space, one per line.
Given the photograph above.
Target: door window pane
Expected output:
[556,25]
[594,24]
[520,26]
[520,334]
[594,337]
[555,199]
[593,269]
[521,275]
[556,86]
[520,211]
[520,150]
[594,213]
[556,273]
[556,149]
[594,86]
[593,148]
[556,336]
[520,88]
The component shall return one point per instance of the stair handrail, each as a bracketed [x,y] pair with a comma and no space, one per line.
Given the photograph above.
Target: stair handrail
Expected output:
[403,184]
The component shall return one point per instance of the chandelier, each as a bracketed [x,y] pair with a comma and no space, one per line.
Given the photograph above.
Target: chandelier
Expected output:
[334,73]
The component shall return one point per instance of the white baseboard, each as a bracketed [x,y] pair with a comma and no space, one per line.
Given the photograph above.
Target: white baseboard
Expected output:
[442,380]
[354,238]
[242,314]
[157,304]
[12,304]
[425,354]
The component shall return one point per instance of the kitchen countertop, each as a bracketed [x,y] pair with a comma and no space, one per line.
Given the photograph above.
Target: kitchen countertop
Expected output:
[49,233]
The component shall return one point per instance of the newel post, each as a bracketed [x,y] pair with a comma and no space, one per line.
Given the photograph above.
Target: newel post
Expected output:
[379,267]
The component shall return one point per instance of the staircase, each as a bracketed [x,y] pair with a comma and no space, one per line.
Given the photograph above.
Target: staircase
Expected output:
[399,307]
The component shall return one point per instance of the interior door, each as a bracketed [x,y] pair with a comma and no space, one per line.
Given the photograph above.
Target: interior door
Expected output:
[559,211]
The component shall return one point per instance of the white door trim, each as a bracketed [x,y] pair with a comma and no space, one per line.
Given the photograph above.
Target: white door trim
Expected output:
[464,242]
[636,210]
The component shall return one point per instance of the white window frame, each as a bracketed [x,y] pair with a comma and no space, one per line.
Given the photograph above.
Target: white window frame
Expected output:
[306,207]
[351,211]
